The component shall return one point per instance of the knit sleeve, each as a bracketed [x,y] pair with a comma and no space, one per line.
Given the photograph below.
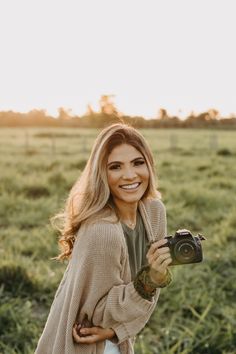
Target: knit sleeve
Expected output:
[130,326]
[118,304]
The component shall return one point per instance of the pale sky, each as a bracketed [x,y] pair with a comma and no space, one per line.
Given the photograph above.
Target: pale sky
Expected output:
[174,54]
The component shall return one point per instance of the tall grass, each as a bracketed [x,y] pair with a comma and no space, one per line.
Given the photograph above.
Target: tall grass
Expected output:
[196,313]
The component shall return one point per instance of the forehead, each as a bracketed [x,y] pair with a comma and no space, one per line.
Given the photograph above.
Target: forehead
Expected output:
[124,152]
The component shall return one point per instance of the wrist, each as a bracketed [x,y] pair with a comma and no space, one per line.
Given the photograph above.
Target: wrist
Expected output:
[164,280]
[157,277]
[110,333]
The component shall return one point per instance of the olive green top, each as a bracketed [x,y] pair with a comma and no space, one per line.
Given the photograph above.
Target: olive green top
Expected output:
[137,243]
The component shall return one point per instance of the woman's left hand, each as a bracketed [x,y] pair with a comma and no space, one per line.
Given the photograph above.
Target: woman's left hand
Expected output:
[93,334]
[159,258]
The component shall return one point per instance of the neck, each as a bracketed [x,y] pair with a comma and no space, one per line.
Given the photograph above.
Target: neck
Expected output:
[126,211]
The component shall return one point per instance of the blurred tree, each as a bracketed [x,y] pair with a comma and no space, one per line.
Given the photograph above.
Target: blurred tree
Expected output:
[64,114]
[109,114]
[162,114]
[107,105]
[213,114]
[89,110]
[36,114]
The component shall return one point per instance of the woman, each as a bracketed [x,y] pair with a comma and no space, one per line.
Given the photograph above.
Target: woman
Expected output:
[112,282]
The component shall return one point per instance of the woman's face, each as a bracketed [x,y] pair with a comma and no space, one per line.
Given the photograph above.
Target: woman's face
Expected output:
[127,174]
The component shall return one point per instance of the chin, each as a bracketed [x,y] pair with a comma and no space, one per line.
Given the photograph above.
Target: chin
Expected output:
[132,199]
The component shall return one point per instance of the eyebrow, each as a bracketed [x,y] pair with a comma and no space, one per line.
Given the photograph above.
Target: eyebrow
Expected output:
[120,162]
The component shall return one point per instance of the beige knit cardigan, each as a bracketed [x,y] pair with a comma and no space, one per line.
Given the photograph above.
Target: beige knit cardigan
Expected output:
[97,283]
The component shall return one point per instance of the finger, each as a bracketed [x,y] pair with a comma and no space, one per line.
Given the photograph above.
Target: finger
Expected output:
[86,340]
[163,250]
[155,245]
[76,327]
[161,256]
[75,335]
[77,332]
[89,330]
[159,251]
[161,267]
[168,261]
[160,259]
[165,265]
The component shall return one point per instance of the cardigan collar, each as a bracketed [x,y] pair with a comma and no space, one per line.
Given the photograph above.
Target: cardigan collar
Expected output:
[146,220]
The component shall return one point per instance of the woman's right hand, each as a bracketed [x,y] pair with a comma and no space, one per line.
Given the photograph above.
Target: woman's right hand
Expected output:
[158,259]
[91,334]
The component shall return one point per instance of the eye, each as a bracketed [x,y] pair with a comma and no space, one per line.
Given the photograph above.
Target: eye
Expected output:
[114,167]
[139,162]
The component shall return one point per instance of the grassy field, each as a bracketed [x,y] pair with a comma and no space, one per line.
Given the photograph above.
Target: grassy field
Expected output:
[197,177]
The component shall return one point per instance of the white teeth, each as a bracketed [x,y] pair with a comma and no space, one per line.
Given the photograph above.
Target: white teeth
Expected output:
[130,186]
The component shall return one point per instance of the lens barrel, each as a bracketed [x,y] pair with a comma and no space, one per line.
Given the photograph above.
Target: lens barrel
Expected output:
[185,251]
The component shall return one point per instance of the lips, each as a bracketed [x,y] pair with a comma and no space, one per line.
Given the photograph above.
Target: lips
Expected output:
[130,186]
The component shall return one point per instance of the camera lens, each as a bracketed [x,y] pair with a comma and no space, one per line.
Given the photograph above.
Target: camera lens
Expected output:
[185,251]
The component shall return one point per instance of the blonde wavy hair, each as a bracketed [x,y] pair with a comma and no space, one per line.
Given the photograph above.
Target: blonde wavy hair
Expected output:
[90,196]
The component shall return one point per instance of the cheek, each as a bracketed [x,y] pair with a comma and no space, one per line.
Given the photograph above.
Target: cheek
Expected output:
[111,178]
[146,174]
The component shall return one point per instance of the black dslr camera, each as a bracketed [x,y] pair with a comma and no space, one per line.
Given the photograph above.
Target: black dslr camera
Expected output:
[184,247]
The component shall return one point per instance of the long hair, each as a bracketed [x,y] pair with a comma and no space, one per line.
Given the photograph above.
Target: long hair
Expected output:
[89,197]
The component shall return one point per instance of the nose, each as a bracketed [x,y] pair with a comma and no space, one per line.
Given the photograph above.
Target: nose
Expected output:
[129,173]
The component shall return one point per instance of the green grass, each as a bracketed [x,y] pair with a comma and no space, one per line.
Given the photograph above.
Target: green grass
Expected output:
[196,169]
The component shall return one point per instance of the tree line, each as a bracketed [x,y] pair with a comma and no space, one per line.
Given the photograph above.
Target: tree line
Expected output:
[108,113]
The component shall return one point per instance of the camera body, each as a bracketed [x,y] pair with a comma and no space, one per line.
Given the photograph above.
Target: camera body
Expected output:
[184,247]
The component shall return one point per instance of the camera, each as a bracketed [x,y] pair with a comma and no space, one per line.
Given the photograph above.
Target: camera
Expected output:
[184,247]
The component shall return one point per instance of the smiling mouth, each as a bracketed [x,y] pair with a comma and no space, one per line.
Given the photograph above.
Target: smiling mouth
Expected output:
[130,186]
